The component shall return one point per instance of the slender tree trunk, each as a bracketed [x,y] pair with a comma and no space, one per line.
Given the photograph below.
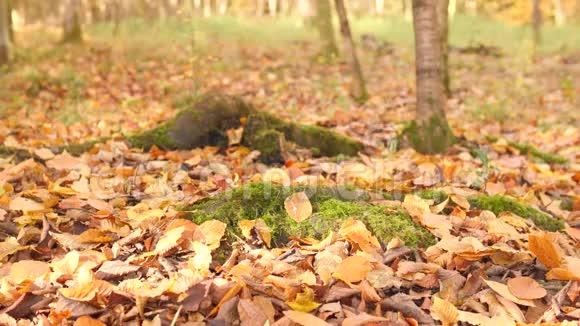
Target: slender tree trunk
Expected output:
[406,10]
[359,87]
[206,8]
[537,23]
[5,44]
[72,31]
[260,7]
[323,23]
[380,7]
[559,16]
[10,6]
[273,7]
[443,21]
[222,7]
[452,8]
[430,132]
[285,7]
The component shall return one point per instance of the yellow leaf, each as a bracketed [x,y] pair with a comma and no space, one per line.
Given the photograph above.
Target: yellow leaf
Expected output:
[25,205]
[460,201]
[28,270]
[415,205]
[298,206]
[9,246]
[277,176]
[210,233]
[201,260]
[304,301]
[263,230]
[246,227]
[445,311]
[68,264]
[305,319]
[169,240]
[543,245]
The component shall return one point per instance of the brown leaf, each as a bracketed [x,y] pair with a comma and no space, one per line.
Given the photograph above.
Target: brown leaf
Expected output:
[250,313]
[28,270]
[364,319]
[525,288]
[503,290]
[111,269]
[415,205]
[298,206]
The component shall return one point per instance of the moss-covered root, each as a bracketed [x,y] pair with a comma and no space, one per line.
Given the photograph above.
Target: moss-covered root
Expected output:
[18,154]
[321,141]
[204,122]
[432,136]
[533,151]
[331,206]
[499,204]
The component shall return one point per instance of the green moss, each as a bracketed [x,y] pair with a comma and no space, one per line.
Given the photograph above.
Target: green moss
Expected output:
[499,204]
[331,206]
[158,136]
[321,141]
[18,153]
[432,137]
[436,195]
[533,151]
[567,204]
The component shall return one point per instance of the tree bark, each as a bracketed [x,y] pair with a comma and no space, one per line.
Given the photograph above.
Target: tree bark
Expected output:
[430,132]
[260,7]
[72,31]
[359,87]
[443,21]
[559,16]
[5,44]
[273,7]
[536,23]
[323,23]
[10,4]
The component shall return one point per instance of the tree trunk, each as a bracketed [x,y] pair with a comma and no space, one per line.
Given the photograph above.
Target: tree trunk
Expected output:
[5,44]
[10,4]
[430,132]
[323,23]
[380,7]
[536,24]
[443,21]
[222,7]
[206,8]
[260,7]
[359,88]
[273,7]
[72,31]
[559,17]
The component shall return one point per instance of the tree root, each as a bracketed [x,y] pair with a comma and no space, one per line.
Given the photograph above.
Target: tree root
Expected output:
[204,122]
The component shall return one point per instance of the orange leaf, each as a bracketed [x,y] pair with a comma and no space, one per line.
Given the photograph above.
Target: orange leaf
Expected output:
[526,288]
[354,268]
[298,206]
[543,245]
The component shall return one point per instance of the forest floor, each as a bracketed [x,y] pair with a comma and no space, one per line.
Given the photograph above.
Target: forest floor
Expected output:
[98,235]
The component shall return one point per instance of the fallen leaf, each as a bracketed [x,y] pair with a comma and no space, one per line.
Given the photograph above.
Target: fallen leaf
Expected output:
[444,311]
[503,290]
[526,288]
[304,301]
[25,205]
[544,246]
[88,321]
[353,269]
[305,319]
[28,270]
[415,206]
[298,206]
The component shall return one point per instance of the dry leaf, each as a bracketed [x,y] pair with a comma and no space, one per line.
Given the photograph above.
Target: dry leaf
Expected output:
[544,246]
[526,288]
[364,319]
[298,206]
[305,319]
[415,206]
[28,270]
[444,311]
[353,269]
[250,313]
[304,301]
[503,290]
[88,321]
[277,176]
[568,271]
[25,205]
[9,246]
